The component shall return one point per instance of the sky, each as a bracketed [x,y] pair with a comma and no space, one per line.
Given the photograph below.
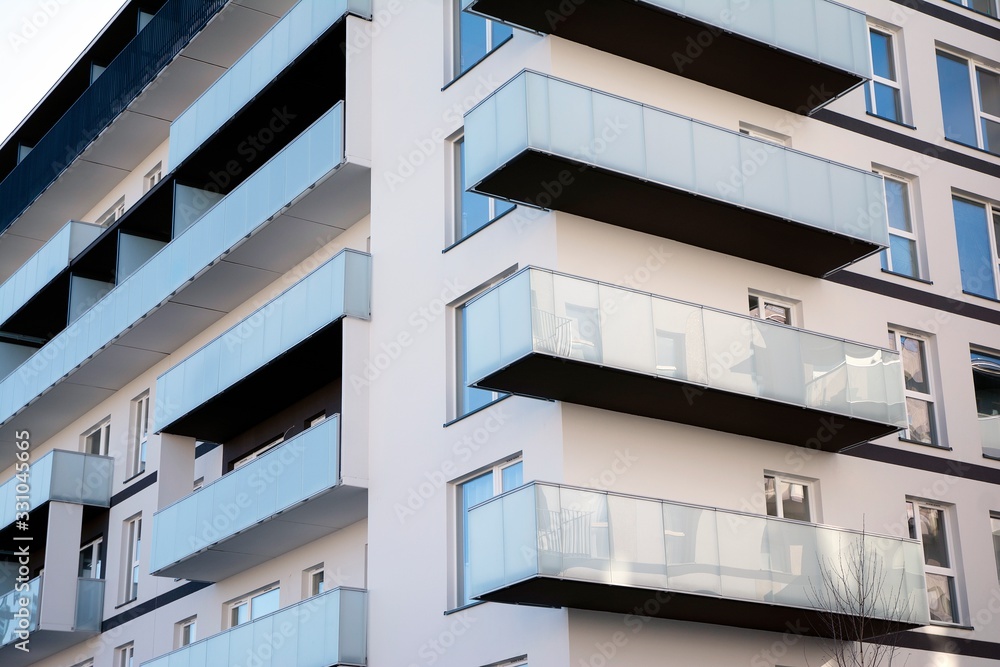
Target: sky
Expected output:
[39,40]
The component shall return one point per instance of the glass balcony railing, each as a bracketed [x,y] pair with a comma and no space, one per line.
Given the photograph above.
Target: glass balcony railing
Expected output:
[536,115]
[88,603]
[287,40]
[295,471]
[51,259]
[156,45]
[338,288]
[69,477]
[563,534]
[307,160]
[820,47]
[989,430]
[327,629]
[542,314]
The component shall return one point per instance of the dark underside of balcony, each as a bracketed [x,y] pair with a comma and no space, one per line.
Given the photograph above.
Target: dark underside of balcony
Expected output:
[552,592]
[590,384]
[674,214]
[679,45]
[281,382]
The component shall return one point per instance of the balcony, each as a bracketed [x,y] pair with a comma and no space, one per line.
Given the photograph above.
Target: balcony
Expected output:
[290,37]
[553,144]
[793,54]
[989,429]
[309,190]
[45,266]
[282,500]
[559,546]
[559,337]
[329,629]
[55,620]
[60,476]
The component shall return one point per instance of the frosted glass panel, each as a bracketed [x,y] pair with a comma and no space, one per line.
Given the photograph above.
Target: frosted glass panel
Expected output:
[70,477]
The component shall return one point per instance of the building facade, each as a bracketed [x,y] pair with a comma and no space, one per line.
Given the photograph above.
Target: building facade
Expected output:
[506,332]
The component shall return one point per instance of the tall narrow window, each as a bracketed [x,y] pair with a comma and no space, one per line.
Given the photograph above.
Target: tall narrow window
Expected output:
[917,386]
[902,256]
[314,581]
[153,177]
[970,101]
[788,497]
[91,566]
[95,440]
[474,211]
[883,94]
[995,525]
[186,632]
[499,479]
[986,378]
[253,606]
[929,524]
[477,37]
[977,229]
[125,655]
[469,398]
[132,540]
[138,434]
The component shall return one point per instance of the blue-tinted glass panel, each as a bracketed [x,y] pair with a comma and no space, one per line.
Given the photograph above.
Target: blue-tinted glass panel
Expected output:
[472,398]
[955,87]
[501,32]
[477,210]
[882,62]
[904,255]
[974,253]
[868,98]
[474,39]
[513,476]
[991,136]
[898,204]
[474,492]
[887,102]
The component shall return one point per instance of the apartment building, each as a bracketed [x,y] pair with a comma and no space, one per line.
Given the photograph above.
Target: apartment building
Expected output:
[505,332]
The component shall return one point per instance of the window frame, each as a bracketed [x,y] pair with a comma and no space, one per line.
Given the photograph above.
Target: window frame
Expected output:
[895,61]
[908,184]
[973,64]
[492,44]
[995,525]
[966,4]
[993,358]
[309,576]
[248,601]
[152,177]
[103,430]
[764,300]
[125,655]
[138,437]
[131,558]
[116,211]
[811,503]
[180,627]
[951,572]
[496,207]
[896,334]
[95,546]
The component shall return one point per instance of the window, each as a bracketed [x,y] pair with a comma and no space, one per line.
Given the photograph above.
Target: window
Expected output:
[257,453]
[186,632]
[498,479]
[766,308]
[988,7]
[474,211]
[116,211]
[132,541]
[883,95]
[198,483]
[917,387]
[929,524]
[477,37]
[125,655]
[253,606]
[153,177]
[986,378]
[995,525]
[138,434]
[91,566]
[977,230]
[470,399]
[314,581]
[95,441]
[788,497]
[902,256]
[970,102]
[316,420]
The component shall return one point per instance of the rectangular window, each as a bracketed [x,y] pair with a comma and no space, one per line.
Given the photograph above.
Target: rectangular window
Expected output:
[883,94]
[995,526]
[132,541]
[970,102]
[125,655]
[186,632]
[902,256]
[469,398]
[91,566]
[986,379]
[95,440]
[988,7]
[474,211]
[477,36]
[929,524]
[253,606]
[788,497]
[314,580]
[499,479]
[977,230]
[773,310]
[918,388]
[116,211]
[138,434]
[153,177]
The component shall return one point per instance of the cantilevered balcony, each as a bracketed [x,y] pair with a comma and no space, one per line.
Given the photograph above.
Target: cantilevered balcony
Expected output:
[60,476]
[559,337]
[54,620]
[283,499]
[557,145]
[226,385]
[560,546]
[310,190]
[327,630]
[793,54]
